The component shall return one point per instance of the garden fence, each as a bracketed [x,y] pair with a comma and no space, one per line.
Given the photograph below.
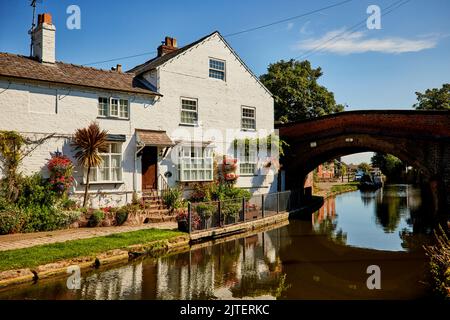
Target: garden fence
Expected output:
[215,214]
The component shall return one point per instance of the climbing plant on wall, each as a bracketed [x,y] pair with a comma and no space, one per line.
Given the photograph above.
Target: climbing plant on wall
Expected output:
[14,147]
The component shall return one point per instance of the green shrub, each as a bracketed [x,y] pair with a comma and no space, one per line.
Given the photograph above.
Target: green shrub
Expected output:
[227,191]
[12,220]
[231,208]
[45,219]
[173,198]
[96,217]
[35,191]
[121,215]
[66,218]
[236,193]
[3,203]
[205,210]
[68,204]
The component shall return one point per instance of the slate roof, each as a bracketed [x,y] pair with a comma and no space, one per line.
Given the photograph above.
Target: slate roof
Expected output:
[22,67]
[157,61]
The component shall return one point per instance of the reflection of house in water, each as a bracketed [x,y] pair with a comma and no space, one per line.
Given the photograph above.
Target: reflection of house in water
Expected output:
[247,267]
[121,283]
[324,222]
[327,211]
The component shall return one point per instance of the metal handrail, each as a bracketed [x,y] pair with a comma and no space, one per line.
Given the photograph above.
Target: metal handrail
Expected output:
[164,185]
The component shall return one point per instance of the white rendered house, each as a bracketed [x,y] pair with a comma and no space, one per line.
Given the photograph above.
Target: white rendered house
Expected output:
[167,118]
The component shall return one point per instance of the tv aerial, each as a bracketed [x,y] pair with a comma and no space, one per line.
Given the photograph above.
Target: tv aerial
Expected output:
[33,23]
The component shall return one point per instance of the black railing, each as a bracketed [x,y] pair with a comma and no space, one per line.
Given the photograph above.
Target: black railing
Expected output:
[216,214]
[163,185]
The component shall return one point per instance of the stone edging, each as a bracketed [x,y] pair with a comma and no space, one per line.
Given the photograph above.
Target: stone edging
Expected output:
[30,275]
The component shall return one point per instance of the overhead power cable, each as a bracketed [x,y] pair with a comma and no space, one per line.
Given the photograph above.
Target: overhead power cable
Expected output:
[235,33]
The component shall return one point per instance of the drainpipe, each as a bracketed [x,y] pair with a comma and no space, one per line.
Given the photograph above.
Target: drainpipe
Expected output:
[135,167]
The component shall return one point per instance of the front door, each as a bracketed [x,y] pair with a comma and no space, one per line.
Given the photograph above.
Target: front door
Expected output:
[149,168]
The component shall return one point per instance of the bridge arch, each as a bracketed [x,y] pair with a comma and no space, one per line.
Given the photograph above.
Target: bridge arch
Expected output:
[419,138]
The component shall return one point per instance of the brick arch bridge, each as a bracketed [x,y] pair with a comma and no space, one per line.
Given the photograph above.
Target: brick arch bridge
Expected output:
[419,138]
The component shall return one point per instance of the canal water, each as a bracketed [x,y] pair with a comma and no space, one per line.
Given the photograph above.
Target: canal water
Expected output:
[325,256]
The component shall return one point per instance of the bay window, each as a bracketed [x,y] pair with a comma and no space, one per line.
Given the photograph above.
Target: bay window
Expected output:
[195,163]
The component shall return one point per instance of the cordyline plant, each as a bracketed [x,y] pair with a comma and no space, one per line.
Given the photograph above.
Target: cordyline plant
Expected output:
[88,143]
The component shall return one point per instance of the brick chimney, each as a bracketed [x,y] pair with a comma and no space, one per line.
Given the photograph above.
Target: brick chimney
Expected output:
[117,68]
[169,45]
[44,39]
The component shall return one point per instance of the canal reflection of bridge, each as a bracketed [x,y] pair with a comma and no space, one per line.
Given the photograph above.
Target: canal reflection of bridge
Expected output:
[305,259]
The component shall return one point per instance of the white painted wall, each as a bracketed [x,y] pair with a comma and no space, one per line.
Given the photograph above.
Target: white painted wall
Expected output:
[37,109]
[219,102]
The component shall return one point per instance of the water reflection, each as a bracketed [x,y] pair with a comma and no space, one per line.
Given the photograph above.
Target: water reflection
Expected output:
[322,258]
[392,218]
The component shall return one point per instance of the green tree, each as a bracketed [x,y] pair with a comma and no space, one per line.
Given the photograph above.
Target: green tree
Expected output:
[390,165]
[364,166]
[88,143]
[434,99]
[296,91]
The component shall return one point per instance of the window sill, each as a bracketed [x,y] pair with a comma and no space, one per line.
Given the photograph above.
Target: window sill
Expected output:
[112,118]
[188,124]
[216,79]
[194,181]
[102,182]
[248,130]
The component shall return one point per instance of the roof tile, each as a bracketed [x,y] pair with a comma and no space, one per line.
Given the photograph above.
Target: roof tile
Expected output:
[17,66]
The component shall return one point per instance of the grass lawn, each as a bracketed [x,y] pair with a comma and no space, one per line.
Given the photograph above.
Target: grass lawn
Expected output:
[351,186]
[39,255]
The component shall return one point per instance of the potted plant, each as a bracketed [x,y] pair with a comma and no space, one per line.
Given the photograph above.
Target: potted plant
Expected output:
[230,211]
[205,211]
[182,220]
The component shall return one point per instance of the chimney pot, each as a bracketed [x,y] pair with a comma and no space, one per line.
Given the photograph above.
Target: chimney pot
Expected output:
[168,45]
[47,18]
[119,68]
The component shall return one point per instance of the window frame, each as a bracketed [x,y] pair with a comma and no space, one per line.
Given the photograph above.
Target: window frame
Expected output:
[224,71]
[97,170]
[247,117]
[106,104]
[184,110]
[207,156]
[109,103]
[244,157]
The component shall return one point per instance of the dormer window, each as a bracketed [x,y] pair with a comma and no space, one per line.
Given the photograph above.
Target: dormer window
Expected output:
[217,69]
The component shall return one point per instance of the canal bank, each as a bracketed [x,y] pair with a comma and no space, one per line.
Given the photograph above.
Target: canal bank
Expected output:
[16,266]
[325,257]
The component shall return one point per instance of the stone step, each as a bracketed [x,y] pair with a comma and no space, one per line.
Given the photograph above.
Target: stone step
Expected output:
[157,211]
[156,219]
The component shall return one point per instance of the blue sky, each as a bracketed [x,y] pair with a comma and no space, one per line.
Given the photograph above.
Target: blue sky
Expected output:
[367,69]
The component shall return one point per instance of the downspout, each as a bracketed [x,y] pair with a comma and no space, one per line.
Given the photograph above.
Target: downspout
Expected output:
[135,166]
